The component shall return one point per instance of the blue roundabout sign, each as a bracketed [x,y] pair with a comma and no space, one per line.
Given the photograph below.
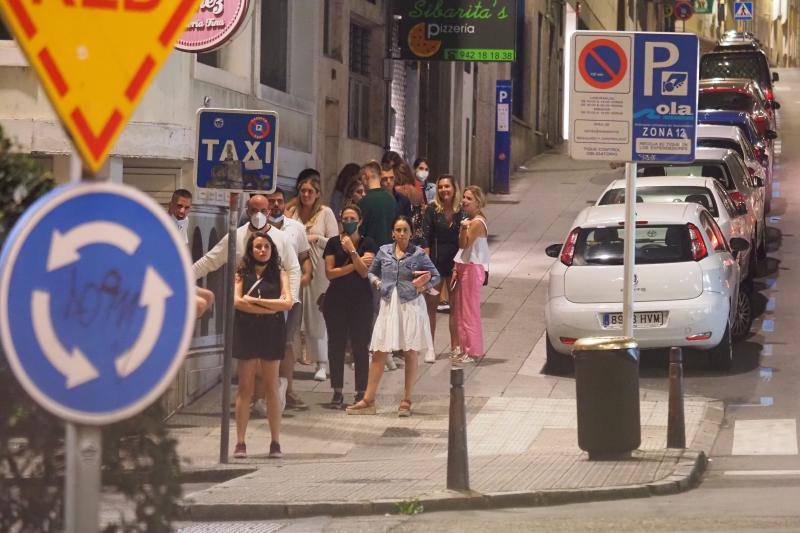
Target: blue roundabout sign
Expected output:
[96,302]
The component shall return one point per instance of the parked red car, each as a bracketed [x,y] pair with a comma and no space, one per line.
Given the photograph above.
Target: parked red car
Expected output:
[738,94]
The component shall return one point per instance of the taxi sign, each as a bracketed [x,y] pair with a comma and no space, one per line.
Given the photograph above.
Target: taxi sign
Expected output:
[96,58]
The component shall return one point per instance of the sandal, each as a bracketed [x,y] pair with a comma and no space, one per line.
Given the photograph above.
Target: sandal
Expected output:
[405,408]
[363,407]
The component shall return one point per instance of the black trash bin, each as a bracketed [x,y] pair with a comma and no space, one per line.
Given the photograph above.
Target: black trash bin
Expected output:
[607,393]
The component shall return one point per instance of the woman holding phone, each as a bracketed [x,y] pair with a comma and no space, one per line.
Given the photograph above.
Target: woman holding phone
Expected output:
[471,267]
[401,272]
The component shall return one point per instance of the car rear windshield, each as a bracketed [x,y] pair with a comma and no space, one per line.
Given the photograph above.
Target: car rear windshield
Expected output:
[705,169]
[654,244]
[750,65]
[727,100]
[727,144]
[665,194]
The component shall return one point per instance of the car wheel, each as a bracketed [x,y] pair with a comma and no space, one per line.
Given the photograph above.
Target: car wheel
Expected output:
[752,262]
[743,318]
[557,362]
[721,356]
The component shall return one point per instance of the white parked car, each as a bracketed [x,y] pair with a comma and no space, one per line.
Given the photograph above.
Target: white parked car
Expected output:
[731,138]
[686,281]
[733,220]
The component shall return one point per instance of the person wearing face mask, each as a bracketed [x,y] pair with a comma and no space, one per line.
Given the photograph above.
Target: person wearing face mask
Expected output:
[422,172]
[348,306]
[257,211]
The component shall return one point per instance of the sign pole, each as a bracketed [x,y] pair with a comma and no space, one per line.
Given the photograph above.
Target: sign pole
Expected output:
[630,249]
[233,219]
[84,452]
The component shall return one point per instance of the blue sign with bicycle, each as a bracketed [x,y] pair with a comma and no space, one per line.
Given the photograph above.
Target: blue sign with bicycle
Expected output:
[665,74]
[96,301]
[237,150]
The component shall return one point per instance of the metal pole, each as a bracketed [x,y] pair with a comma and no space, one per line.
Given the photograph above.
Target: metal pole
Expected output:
[233,219]
[457,458]
[630,249]
[84,450]
[676,427]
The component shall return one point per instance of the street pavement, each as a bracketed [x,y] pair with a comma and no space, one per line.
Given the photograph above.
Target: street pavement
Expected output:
[522,435]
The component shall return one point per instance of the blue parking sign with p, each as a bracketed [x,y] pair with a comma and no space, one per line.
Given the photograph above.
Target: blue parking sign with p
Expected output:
[665,74]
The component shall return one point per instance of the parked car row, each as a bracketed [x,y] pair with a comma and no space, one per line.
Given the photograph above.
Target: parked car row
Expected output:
[700,229]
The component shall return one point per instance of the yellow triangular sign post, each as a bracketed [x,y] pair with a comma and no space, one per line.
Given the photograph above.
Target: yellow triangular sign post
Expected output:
[96,58]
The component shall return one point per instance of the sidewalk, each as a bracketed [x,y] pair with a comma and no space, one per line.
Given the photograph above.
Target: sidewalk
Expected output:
[522,436]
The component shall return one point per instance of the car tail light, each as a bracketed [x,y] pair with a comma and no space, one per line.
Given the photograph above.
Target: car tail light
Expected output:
[567,340]
[737,197]
[568,252]
[770,96]
[700,336]
[699,250]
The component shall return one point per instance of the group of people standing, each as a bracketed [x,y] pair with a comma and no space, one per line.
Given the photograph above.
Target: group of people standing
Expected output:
[364,275]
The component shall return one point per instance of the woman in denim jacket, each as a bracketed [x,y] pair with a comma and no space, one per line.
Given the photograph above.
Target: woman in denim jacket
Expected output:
[401,272]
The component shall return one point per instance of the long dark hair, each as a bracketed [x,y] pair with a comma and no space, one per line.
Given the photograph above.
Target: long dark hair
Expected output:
[348,174]
[248,263]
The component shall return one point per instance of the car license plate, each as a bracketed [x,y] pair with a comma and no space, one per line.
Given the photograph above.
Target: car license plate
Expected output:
[644,319]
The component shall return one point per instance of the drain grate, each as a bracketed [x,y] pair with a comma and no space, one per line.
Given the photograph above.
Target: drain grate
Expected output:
[232,527]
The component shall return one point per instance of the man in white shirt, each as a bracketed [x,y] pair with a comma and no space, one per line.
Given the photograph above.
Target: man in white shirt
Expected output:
[296,233]
[257,209]
[179,206]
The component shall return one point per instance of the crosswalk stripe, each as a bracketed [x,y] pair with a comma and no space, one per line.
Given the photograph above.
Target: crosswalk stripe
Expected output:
[767,473]
[765,437]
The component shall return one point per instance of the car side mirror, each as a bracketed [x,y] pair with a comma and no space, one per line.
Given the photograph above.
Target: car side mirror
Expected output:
[771,134]
[776,105]
[741,209]
[554,250]
[739,245]
[775,77]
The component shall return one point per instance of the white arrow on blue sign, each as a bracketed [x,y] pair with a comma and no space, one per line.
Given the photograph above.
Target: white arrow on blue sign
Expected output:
[96,302]
[743,11]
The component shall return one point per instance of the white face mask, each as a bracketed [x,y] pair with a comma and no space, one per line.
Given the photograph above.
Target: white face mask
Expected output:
[276,220]
[258,220]
[422,175]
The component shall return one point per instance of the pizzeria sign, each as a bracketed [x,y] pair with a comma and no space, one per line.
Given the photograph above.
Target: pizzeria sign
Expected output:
[456,30]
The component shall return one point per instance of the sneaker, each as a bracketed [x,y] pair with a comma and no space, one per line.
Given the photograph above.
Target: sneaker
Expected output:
[337,402]
[275,450]
[390,364]
[430,357]
[464,359]
[321,375]
[240,452]
[443,307]
[293,401]
[259,408]
[283,384]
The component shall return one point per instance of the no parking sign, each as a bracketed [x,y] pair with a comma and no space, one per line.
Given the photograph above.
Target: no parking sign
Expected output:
[633,96]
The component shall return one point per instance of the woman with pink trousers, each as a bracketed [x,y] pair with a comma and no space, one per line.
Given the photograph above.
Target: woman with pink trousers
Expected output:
[471,270]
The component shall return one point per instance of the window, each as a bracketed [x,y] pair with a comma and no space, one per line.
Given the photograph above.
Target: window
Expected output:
[725,199]
[655,244]
[209,58]
[274,42]
[665,194]
[358,104]
[5,35]
[331,34]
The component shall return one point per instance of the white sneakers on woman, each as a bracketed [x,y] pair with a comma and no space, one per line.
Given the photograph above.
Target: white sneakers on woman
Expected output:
[321,374]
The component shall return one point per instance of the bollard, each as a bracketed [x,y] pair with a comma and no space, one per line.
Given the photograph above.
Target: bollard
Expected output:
[676,426]
[457,459]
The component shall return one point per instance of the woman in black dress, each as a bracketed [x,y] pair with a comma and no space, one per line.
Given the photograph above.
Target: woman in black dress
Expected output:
[440,238]
[348,306]
[261,295]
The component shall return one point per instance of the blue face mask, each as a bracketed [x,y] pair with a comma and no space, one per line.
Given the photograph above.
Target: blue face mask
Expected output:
[350,226]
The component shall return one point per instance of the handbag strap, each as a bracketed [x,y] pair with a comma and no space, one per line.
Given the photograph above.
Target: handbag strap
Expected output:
[253,286]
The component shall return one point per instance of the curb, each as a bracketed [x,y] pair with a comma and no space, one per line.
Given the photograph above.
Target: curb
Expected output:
[685,476]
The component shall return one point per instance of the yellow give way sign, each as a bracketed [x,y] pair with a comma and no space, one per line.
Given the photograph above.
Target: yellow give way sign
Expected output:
[96,58]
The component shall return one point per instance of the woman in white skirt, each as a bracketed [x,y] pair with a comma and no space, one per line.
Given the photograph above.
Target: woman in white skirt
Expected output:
[401,272]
